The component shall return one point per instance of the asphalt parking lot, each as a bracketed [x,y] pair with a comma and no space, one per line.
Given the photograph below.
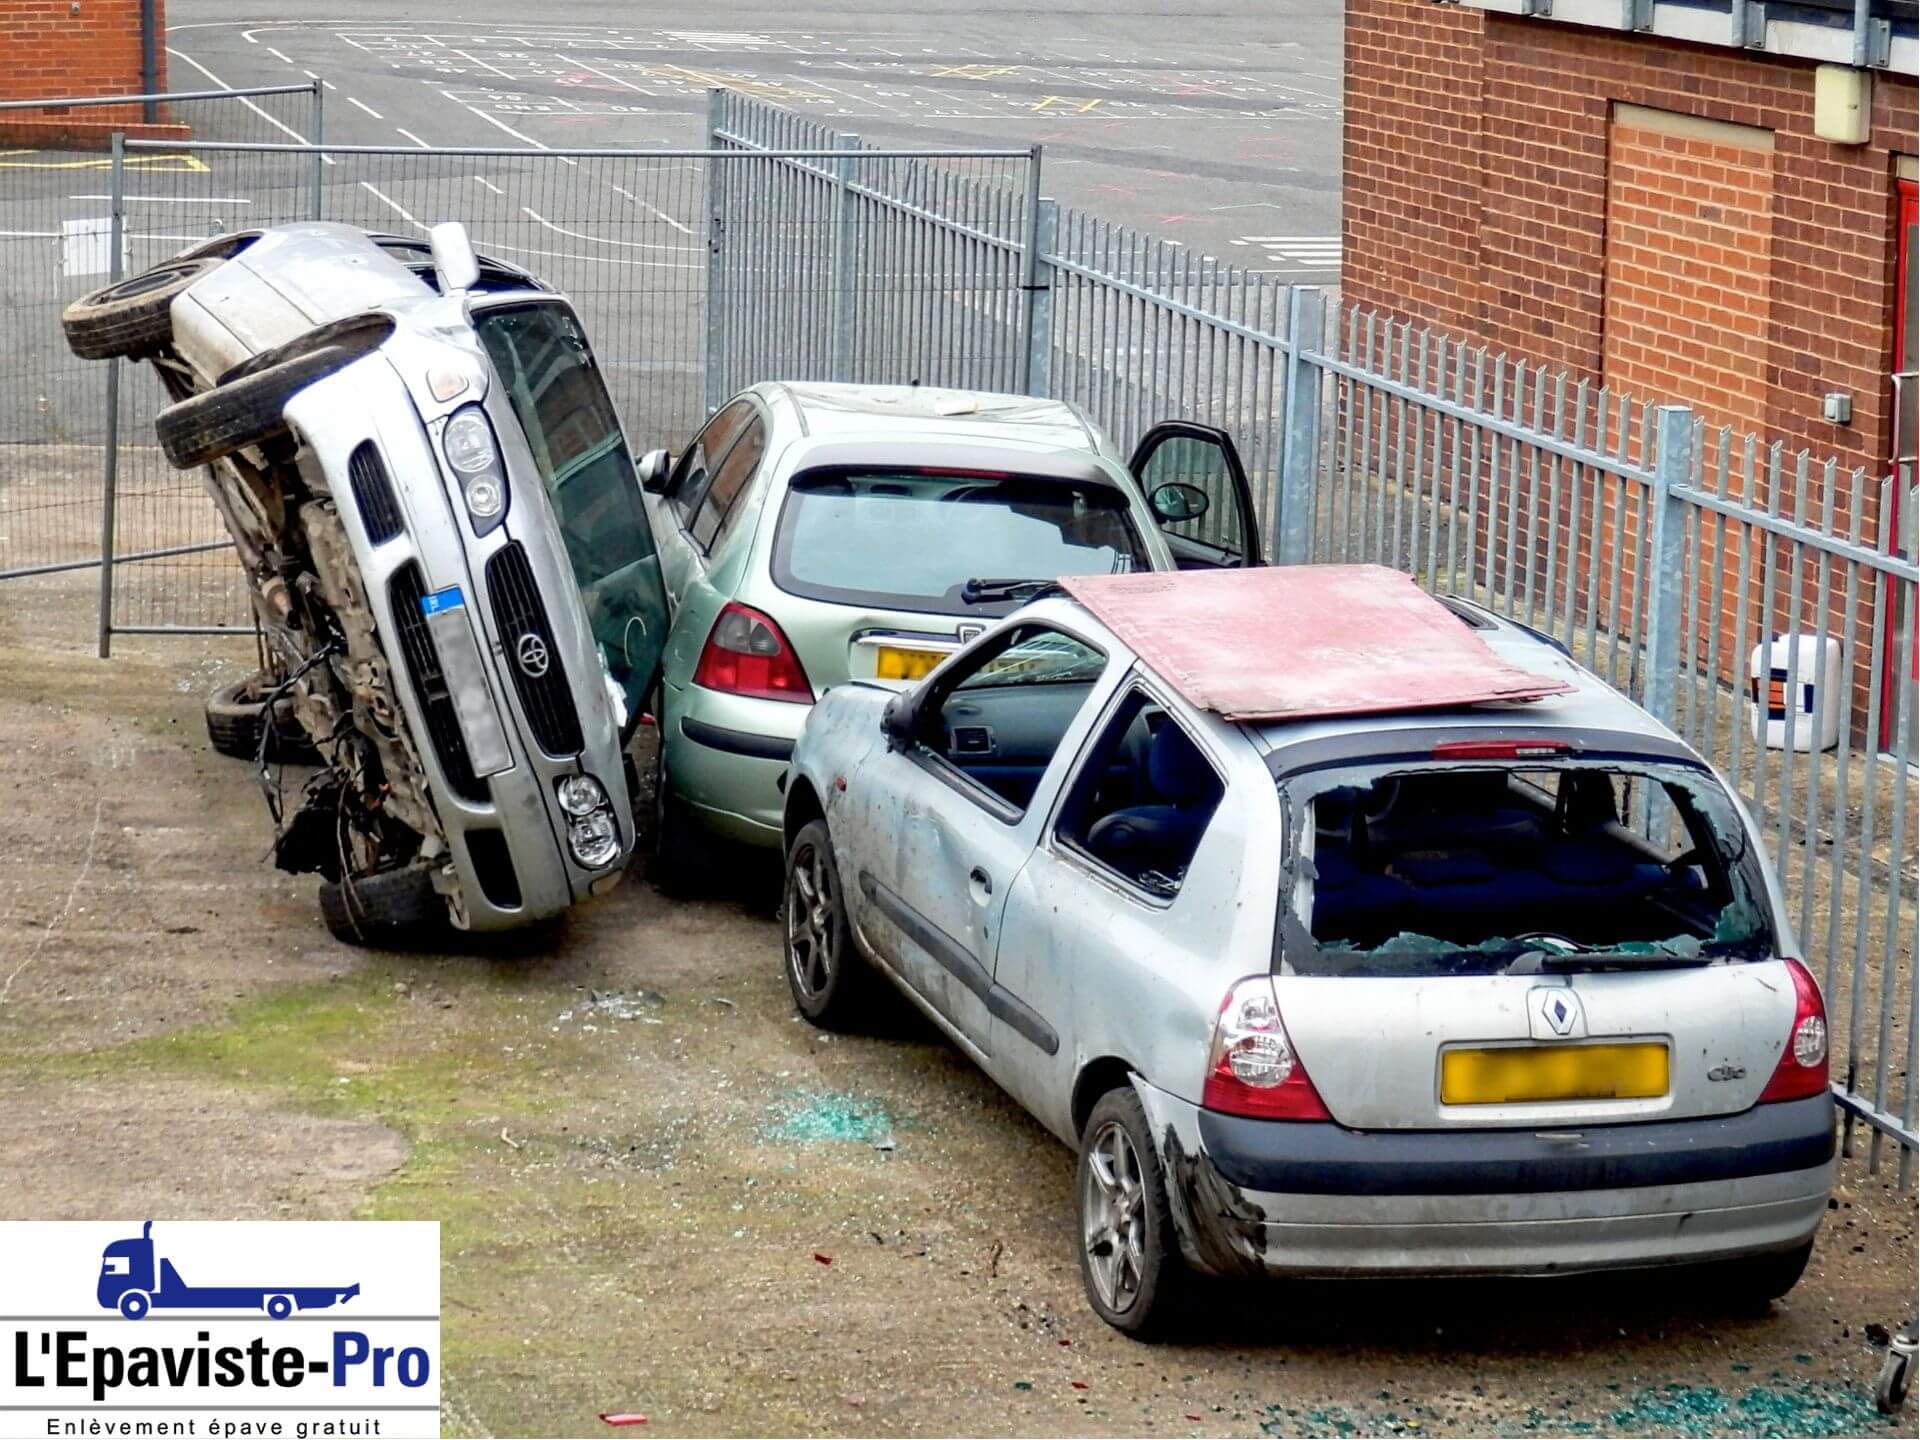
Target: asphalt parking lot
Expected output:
[660,1192]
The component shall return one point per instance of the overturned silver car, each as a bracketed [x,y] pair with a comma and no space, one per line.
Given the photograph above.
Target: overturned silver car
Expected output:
[428,487]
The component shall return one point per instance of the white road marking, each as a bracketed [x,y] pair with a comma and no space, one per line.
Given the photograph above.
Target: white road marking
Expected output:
[468,54]
[221,84]
[652,209]
[490,185]
[167,199]
[413,137]
[495,120]
[391,204]
[542,220]
[280,55]
[354,100]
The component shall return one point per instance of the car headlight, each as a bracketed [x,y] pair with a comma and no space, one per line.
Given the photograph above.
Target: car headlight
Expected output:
[580,794]
[594,839]
[475,457]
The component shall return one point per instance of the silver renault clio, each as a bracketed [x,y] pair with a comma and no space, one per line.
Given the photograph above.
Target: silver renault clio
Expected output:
[431,495]
[1339,930]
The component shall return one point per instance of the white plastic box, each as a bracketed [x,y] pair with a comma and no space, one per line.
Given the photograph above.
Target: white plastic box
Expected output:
[1813,701]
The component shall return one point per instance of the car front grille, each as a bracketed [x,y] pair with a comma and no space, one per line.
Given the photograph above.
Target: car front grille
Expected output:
[373,494]
[531,654]
[405,592]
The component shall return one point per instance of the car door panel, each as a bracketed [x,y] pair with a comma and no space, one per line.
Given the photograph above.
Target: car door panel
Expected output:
[1178,460]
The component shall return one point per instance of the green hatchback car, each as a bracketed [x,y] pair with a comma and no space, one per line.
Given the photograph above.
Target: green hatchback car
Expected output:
[814,534]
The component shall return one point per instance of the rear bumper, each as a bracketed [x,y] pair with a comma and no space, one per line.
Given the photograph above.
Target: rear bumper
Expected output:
[1316,1199]
[727,755]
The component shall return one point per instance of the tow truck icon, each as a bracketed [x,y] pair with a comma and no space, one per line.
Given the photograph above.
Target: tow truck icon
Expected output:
[127,1285]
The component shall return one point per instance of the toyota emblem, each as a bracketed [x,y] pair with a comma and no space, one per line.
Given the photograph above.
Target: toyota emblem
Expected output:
[531,653]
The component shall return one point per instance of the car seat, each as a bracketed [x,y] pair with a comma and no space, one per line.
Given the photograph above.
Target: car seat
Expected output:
[1164,834]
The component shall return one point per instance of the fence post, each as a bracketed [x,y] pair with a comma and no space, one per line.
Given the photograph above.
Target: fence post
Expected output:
[1666,553]
[1300,429]
[841,282]
[110,472]
[1034,360]
[319,159]
[717,300]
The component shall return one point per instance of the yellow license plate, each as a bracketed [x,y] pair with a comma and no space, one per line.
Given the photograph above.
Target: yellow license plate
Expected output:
[894,663]
[1525,1074]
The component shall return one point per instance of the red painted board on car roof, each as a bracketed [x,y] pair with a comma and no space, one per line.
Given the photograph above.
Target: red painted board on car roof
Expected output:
[1292,641]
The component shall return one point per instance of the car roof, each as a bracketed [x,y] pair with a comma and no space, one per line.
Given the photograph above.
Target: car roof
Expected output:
[932,413]
[1301,641]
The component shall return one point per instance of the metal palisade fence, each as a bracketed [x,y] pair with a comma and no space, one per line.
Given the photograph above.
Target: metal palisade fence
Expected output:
[1663,552]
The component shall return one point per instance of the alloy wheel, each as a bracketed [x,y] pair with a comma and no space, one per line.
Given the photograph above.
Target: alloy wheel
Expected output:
[1114,1216]
[811,933]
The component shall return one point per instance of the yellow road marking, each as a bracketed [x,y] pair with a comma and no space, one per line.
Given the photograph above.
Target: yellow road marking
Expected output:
[182,164]
[972,72]
[760,89]
[1079,109]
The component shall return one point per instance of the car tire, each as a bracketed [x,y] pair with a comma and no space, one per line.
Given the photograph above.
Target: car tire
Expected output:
[134,1304]
[396,909]
[237,714]
[1755,1281]
[132,318]
[213,424]
[1129,1254]
[832,983]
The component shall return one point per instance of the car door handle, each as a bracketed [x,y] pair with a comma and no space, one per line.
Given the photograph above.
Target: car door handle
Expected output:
[981,881]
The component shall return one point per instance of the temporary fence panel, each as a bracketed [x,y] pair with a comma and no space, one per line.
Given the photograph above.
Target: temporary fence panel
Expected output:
[1664,554]
[60,237]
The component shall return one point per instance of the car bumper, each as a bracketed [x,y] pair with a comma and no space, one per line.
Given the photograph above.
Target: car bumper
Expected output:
[1292,1198]
[728,756]
[506,844]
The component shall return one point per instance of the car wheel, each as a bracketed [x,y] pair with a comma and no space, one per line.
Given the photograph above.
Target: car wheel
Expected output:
[1129,1257]
[215,423]
[831,982]
[134,1303]
[1890,1389]
[237,714]
[279,1307]
[396,909]
[132,318]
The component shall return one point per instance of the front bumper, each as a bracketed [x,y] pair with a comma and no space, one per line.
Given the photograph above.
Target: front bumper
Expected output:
[1292,1198]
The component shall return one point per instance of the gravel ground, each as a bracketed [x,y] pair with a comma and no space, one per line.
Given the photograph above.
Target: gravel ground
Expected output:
[661,1192]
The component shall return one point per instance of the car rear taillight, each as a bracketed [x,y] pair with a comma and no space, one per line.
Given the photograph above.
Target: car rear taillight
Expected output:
[1252,1068]
[1802,1070]
[747,655]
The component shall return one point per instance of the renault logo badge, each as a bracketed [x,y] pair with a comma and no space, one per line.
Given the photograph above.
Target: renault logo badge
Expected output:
[531,654]
[1560,1010]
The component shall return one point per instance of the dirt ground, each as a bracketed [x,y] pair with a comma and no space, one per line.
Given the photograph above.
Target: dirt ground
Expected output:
[660,1192]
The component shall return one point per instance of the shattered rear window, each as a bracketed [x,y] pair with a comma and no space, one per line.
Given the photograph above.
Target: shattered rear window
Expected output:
[1511,869]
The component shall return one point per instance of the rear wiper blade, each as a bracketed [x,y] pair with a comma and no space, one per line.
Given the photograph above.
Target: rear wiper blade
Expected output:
[1602,959]
[986,592]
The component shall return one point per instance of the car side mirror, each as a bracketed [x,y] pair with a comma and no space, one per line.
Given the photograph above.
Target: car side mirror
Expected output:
[897,721]
[1175,502]
[653,469]
[453,258]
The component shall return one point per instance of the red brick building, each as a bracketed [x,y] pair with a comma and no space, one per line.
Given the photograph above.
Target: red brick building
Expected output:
[77,48]
[1645,193]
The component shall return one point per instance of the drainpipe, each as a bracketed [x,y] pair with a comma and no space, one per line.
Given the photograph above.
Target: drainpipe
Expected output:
[149,58]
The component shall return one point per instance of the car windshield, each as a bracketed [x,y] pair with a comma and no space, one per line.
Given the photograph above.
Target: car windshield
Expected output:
[911,540]
[561,402]
[1461,869]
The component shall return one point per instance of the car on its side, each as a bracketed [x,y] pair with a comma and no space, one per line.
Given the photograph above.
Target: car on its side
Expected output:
[435,505]
[815,533]
[1339,930]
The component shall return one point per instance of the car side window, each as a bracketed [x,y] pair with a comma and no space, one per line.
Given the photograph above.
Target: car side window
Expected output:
[687,486]
[998,722]
[1143,798]
[733,475]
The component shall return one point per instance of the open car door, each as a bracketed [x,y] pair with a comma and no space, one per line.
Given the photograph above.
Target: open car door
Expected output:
[555,388]
[1198,492]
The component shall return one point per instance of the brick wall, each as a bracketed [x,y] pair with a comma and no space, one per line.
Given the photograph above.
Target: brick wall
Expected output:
[1476,199]
[76,48]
